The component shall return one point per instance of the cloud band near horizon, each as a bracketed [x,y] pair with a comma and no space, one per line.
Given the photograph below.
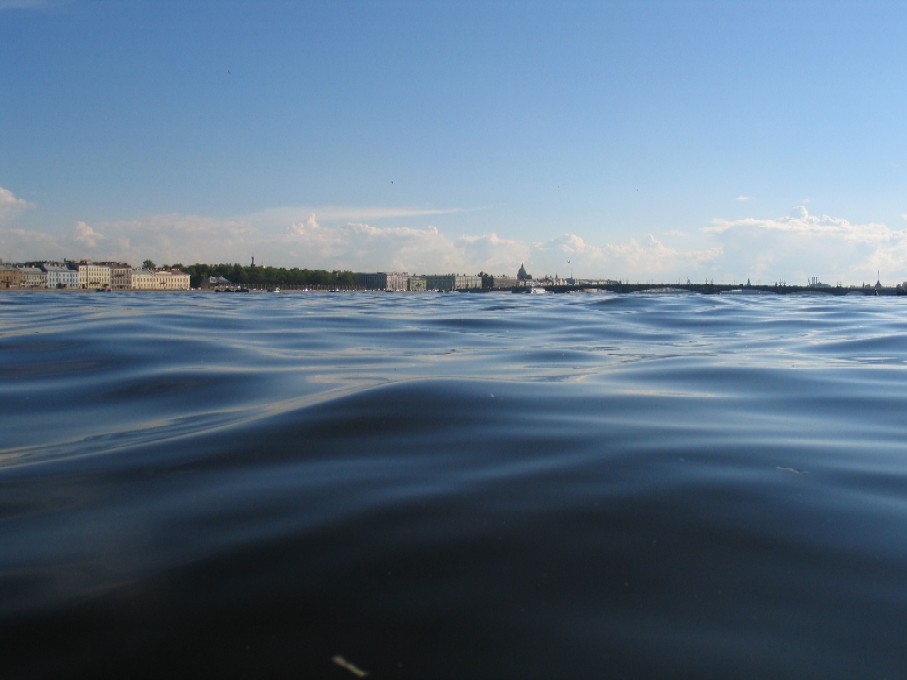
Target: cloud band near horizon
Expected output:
[337,237]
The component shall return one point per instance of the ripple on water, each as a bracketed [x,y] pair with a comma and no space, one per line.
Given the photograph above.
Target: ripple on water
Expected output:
[452,486]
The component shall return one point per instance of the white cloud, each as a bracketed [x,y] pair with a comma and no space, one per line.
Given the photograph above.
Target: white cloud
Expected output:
[15,241]
[318,240]
[11,206]
[801,245]
[496,255]
[357,245]
[630,260]
[163,238]
[83,234]
[790,248]
[743,199]
[800,221]
[652,258]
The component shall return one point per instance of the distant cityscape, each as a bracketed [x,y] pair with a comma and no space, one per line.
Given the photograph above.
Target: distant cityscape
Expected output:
[121,276]
[85,275]
[116,276]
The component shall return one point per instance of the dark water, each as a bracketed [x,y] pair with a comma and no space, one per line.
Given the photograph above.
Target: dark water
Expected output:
[452,486]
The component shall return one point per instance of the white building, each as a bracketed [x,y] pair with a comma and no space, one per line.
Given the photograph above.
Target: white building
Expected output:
[59,276]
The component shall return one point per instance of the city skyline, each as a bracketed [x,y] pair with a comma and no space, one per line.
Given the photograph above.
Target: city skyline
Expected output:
[640,141]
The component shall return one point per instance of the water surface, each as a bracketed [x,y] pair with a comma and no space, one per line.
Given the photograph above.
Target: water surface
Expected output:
[452,486]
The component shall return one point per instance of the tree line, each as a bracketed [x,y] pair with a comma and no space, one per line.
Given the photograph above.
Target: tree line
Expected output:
[267,276]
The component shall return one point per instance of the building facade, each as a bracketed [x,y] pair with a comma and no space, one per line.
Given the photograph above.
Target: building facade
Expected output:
[440,281]
[120,276]
[60,276]
[467,282]
[383,281]
[94,275]
[32,277]
[502,282]
[161,279]
[10,276]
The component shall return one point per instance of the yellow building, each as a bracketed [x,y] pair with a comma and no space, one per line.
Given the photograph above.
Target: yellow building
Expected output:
[160,279]
[94,275]
[10,276]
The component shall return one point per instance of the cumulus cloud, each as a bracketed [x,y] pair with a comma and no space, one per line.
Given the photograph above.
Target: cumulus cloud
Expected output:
[167,238]
[632,259]
[309,224]
[365,246]
[800,221]
[15,241]
[10,205]
[791,248]
[82,233]
[497,255]
[653,258]
[183,238]
[802,244]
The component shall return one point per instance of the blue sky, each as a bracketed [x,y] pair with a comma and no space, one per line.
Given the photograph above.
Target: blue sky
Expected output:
[646,141]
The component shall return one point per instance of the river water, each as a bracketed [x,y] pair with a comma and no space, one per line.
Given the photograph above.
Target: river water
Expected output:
[452,486]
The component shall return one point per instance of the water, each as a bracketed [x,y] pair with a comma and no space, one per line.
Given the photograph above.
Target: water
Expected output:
[452,486]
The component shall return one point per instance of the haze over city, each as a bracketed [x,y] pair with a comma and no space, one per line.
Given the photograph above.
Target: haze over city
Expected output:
[626,140]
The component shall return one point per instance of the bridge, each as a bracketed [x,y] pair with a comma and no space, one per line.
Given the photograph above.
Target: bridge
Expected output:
[716,288]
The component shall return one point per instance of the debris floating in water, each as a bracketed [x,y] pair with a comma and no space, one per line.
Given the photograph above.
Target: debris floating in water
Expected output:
[796,471]
[351,667]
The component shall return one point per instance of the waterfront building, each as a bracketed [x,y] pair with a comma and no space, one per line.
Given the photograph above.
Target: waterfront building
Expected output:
[416,283]
[94,275]
[440,281]
[159,279]
[467,282]
[32,277]
[120,276]
[453,281]
[382,281]
[60,276]
[10,276]
[505,282]
[397,281]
